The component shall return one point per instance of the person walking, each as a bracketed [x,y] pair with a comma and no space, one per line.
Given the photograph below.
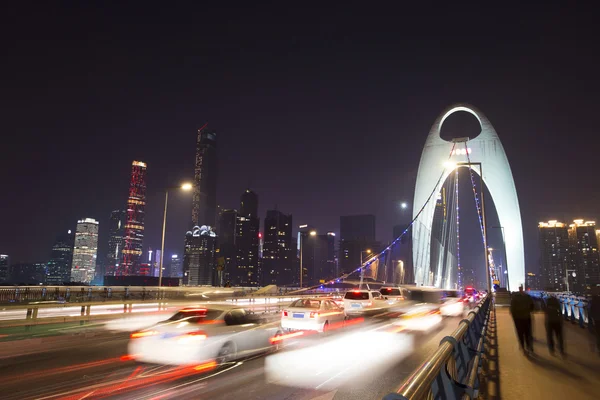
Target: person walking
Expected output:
[521,307]
[554,325]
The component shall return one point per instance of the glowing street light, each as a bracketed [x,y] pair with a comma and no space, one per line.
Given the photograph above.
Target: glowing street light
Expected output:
[313,233]
[403,205]
[186,187]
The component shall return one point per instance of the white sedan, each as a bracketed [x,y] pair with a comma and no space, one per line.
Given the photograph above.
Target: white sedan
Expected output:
[196,335]
[315,314]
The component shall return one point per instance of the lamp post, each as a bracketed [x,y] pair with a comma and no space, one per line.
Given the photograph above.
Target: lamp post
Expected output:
[504,255]
[362,270]
[311,233]
[567,277]
[185,187]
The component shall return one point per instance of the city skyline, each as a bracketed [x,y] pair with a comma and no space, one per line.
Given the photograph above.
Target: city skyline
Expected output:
[322,121]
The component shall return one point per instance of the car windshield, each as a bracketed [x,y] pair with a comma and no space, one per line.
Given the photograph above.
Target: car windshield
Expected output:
[198,314]
[390,292]
[357,296]
[305,303]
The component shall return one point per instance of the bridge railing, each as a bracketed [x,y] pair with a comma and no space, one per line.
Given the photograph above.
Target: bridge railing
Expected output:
[452,372]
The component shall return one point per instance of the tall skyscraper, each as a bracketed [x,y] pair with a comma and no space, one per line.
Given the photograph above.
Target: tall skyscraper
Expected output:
[4,268]
[204,197]
[200,256]
[227,242]
[83,267]
[318,257]
[278,249]
[61,258]
[584,255]
[175,267]
[555,254]
[357,234]
[247,230]
[116,232]
[134,226]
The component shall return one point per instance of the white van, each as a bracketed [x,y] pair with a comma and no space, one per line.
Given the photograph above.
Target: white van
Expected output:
[391,293]
[360,301]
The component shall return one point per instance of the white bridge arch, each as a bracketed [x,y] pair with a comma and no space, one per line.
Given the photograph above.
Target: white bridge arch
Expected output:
[497,176]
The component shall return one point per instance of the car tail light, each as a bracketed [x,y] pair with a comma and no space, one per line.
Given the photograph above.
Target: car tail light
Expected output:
[314,314]
[192,337]
[284,313]
[141,334]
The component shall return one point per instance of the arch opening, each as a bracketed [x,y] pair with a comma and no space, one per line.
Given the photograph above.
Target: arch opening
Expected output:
[460,124]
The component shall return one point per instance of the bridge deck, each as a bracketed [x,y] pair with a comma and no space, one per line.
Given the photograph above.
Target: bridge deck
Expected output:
[543,376]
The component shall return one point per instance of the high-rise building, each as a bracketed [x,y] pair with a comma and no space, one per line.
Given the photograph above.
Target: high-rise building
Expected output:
[278,249]
[357,234]
[4,268]
[247,271]
[28,274]
[134,226]
[61,258]
[204,197]
[227,242]
[584,255]
[175,267]
[199,260]
[555,255]
[85,249]
[318,257]
[116,232]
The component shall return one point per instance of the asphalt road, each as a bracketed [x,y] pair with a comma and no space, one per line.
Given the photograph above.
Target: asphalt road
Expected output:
[99,370]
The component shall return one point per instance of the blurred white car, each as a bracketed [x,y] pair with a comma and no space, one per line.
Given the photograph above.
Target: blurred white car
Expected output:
[362,301]
[314,314]
[452,304]
[420,311]
[194,335]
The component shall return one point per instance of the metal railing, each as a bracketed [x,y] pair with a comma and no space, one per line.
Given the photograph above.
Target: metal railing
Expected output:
[452,371]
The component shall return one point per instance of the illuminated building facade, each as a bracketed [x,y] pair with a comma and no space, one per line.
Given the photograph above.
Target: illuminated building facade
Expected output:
[279,251]
[247,272]
[199,260]
[134,225]
[85,251]
[204,196]
[4,268]
[555,254]
[175,267]
[584,256]
[486,150]
[61,258]
[116,232]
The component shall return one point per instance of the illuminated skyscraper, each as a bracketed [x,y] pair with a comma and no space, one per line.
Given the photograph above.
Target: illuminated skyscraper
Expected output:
[554,249]
[61,258]
[134,226]
[116,231]
[247,242]
[204,197]
[83,267]
[4,268]
[199,259]
[584,256]
[279,252]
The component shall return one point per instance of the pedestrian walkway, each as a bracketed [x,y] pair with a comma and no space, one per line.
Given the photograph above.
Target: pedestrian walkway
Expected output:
[543,376]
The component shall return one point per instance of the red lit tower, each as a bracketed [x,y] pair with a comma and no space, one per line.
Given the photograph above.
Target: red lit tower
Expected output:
[134,226]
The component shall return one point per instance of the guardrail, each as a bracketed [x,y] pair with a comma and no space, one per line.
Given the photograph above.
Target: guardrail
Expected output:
[452,372]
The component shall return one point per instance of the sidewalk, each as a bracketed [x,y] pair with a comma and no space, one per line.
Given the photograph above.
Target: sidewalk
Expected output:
[543,376]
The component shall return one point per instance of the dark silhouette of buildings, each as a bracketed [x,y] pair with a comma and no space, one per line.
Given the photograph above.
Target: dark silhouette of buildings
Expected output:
[357,234]
[279,251]
[247,272]
[227,243]
[116,232]
[318,257]
[5,268]
[28,274]
[61,258]
[134,226]
[204,196]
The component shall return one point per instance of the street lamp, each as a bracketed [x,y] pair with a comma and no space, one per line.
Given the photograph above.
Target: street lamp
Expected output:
[186,187]
[362,270]
[403,205]
[311,233]
[567,277]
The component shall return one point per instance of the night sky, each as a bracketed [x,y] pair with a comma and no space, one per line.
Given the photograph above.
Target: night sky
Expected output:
[323,111]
